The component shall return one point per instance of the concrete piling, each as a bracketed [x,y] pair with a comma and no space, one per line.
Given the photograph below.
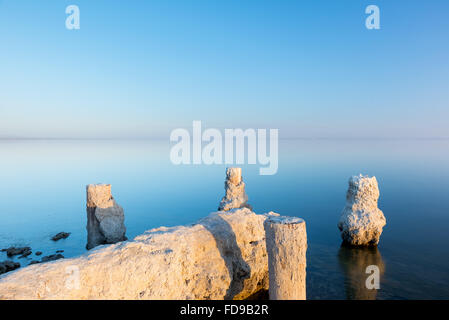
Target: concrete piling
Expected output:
[286,240]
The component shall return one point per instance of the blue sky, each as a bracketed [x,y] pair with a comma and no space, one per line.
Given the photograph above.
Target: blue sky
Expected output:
[138,69]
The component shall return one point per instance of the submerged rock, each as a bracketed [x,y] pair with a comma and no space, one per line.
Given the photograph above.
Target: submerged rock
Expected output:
[13,251]
[25,254]
[361,222]
[235,196]
[7,266]
[60,235]
[38,253]
[52,257]
[105,218]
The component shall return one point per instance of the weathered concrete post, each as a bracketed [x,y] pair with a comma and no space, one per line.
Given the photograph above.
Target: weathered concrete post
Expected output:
[286,240]
[235,196]
[105,218]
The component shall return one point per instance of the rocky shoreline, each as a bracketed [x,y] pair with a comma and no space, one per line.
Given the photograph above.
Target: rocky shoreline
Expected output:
[24,252]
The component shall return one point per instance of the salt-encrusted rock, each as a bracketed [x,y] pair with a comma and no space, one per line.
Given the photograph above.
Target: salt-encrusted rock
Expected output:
[105,218]
[286,239]
[223,256]
[235,196]
[362,221]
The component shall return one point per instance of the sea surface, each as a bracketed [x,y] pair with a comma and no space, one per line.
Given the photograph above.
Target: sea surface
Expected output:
[42,192]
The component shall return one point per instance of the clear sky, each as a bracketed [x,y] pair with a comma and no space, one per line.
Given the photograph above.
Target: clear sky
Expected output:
[138,69]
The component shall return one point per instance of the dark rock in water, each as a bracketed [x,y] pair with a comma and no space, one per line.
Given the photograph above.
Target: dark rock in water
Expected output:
[25,254]
[61,235]
[59,251]
[33,262]
[7,266]
[13,251]
[52,257]
[38,253]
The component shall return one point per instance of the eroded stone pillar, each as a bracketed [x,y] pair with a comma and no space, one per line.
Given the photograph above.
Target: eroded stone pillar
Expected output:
[105,218]
[286,240]
[361,222]
[235,196]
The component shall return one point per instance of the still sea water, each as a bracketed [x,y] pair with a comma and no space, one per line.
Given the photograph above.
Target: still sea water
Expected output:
[42,192]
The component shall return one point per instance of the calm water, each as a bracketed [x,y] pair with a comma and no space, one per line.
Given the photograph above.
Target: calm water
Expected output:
[42,188]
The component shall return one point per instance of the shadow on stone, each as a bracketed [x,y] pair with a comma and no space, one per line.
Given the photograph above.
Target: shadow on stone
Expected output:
[105,218]
[226,241]
[259,295]
[354,262]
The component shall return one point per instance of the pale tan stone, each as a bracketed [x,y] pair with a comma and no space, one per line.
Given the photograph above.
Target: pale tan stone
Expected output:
[223,256]
[99,195]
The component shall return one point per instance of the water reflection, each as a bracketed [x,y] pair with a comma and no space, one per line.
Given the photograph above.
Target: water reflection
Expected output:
[354,262]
